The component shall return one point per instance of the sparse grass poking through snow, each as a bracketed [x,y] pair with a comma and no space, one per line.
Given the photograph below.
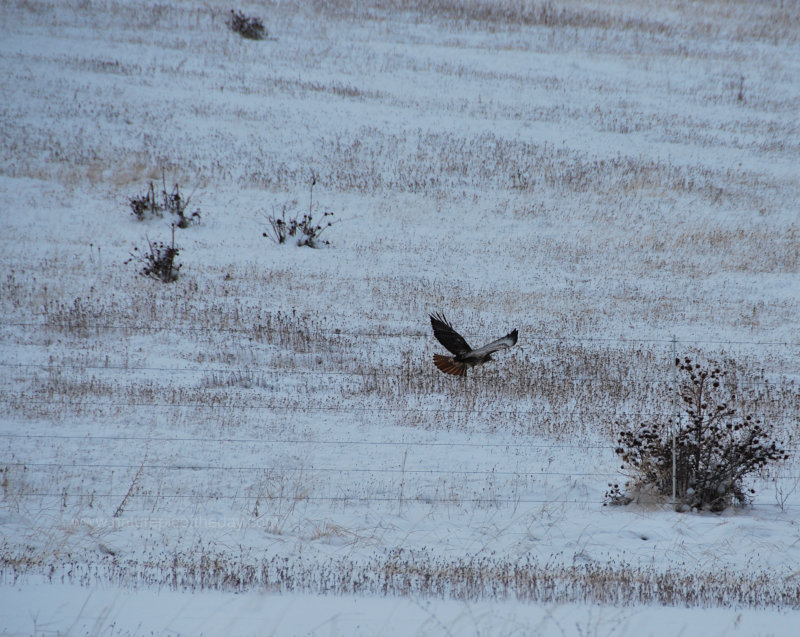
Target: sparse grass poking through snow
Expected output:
[421,573]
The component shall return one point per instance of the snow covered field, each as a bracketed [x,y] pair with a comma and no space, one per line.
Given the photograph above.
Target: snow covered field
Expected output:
[264,446]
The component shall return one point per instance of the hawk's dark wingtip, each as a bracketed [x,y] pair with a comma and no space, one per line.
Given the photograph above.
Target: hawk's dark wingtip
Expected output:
[513,336]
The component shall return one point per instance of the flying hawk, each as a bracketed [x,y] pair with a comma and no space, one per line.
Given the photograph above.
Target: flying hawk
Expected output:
[464,356]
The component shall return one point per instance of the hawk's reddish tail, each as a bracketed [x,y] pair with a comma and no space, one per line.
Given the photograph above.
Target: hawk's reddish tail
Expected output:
[449,366]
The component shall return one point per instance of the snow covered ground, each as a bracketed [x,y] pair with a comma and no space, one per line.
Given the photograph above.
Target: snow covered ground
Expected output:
[264,445]
[77,609]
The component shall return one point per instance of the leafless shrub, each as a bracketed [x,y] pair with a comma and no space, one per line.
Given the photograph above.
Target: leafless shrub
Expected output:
[148,205]
[159,260]
[304,229]
[248,27]
[713,450]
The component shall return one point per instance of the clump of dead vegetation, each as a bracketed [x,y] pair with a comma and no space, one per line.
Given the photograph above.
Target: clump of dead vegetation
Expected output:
[248,27]
[173,203]
[306,230]
[159,260]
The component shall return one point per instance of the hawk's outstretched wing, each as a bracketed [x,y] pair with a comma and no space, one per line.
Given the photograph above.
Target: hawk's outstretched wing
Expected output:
[448,337]
[501,343]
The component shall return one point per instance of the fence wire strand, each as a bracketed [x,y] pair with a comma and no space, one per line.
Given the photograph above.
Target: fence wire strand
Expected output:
[336,332]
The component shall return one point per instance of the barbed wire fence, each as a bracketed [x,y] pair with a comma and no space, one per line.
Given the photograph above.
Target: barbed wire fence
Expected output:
[667,381]
[410,333]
